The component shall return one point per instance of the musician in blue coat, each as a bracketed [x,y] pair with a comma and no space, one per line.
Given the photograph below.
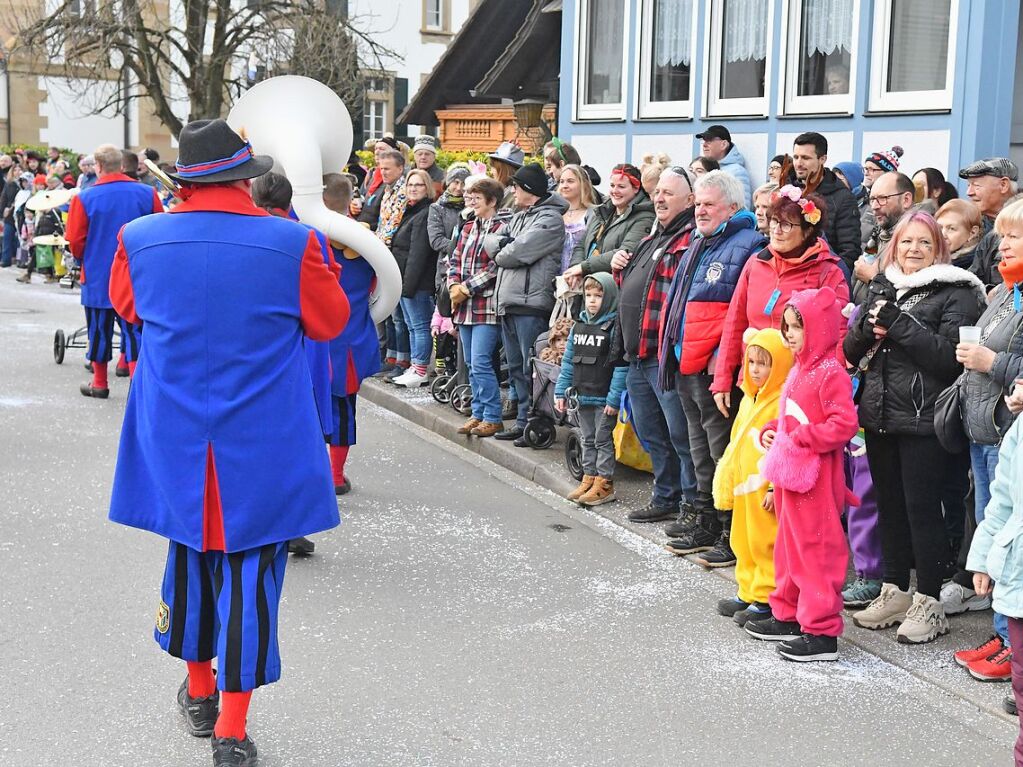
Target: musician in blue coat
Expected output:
[94,218]
[221,450]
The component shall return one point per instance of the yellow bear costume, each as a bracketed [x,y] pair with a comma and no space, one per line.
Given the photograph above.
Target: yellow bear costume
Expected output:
[738,484]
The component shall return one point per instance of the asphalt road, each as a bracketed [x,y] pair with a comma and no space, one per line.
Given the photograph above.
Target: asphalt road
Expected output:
[459,616]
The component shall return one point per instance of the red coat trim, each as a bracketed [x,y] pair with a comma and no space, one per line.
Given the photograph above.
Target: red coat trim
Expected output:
[323,305]
[212,513]
[122,292]
[225,199]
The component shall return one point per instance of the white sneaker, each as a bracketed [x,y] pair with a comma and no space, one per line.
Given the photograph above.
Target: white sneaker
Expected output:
[410,378]
[957,599]
[925,621]
[888,609]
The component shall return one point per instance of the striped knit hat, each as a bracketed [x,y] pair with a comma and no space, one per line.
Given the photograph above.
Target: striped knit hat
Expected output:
[886,161]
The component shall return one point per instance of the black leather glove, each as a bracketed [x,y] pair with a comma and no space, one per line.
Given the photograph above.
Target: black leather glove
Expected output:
[887,315]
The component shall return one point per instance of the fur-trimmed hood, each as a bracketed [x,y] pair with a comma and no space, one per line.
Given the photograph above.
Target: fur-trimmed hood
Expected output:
[935,274]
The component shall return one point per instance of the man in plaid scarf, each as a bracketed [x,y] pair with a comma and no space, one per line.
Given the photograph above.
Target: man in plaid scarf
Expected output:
[644,278]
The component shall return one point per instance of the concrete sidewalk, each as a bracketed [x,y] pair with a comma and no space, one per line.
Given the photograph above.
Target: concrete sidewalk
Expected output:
[932,663]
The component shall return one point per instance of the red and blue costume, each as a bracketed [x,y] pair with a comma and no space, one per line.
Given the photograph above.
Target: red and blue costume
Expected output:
[94,218]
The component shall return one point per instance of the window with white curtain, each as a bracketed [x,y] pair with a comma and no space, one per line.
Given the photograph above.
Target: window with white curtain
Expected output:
[374,118]
[915,65]
[601,59]
[820,61]
[667,41]
[740,33]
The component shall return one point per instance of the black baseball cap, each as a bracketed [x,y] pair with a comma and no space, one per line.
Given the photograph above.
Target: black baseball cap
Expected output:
[716,131]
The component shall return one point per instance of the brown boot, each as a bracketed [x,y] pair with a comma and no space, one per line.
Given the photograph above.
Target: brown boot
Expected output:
[487,429]
[469,425]
[584,485]
[602,491]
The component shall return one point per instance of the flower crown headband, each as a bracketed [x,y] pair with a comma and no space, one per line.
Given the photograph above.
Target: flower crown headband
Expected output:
[811,213]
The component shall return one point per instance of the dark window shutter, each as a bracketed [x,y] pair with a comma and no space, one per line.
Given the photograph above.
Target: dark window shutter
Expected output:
[400,102]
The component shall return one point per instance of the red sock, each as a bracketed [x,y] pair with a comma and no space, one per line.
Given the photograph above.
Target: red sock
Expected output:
[201,682]
[338,456]
[120,361]
[131,369]
[234,708]
[99,375]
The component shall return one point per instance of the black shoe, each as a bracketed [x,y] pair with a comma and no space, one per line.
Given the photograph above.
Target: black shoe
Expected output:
[344,488]
[385,371]
[729,607]
[773,630]
[231,752]
[200,713]
[88,366]
[89,390]
[301,547]
[758,611]
[509,434]
[1009,705]
[809,647]
[652,513]
[685,522]
[521,442]
[398,371]
[719,556]
[122,372]
[696,540]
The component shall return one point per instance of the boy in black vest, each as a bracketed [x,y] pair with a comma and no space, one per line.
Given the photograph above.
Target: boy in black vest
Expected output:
[594,369]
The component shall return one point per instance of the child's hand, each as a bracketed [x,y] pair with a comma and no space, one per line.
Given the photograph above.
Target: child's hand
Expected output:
[612,411]
[767,438]
[982,584]
[559,404]
[434,332]
[768,502]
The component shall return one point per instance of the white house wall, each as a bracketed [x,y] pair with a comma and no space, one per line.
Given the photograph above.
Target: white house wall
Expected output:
[923,149]
[69,123]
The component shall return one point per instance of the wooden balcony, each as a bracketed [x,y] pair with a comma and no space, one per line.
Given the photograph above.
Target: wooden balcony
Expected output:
[481,128]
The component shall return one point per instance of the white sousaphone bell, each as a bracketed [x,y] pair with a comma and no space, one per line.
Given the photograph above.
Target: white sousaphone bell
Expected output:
[305,127]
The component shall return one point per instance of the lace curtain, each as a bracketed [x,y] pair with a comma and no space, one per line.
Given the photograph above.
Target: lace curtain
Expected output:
[827,26]
[745,29]
[605,23]
[673,32]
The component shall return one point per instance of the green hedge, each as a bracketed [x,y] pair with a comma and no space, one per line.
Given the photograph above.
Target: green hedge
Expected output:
[445,157]
[69,156]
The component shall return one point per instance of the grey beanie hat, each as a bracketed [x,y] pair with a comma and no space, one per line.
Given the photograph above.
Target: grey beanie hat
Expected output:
[458,173]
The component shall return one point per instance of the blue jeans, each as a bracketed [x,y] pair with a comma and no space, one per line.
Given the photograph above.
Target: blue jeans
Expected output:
[478,345]
[418,313]
[9,246]
[519,332]
[661,423]
[397,335]
[983,460]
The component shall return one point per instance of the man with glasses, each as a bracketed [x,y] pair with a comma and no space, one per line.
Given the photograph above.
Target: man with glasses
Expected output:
[644,278]
[891,195]
[990,183]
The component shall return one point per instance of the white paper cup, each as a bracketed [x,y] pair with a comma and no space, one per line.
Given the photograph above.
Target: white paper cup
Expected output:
[969,334]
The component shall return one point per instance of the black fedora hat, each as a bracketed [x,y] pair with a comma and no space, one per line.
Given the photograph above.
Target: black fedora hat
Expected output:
[210,152]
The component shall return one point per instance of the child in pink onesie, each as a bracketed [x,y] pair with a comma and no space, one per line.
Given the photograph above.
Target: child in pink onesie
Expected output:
[816,418]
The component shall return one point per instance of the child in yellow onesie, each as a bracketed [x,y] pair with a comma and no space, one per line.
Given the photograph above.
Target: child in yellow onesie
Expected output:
[737,481]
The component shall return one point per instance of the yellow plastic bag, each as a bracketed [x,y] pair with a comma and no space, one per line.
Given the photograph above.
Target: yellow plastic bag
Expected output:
[628,449]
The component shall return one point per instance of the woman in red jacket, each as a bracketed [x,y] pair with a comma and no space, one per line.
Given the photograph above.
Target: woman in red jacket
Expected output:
[797,258]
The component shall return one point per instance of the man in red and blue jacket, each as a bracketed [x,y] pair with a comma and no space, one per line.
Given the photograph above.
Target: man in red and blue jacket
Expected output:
[697,304]
[94,218]
[221,450]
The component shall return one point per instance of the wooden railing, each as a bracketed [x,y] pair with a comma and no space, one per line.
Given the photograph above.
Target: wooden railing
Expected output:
[482,128]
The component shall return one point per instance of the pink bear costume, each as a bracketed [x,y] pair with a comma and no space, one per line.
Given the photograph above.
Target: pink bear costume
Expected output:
[816,419]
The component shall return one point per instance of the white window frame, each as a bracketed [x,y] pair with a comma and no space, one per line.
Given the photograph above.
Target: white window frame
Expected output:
[908,101]
[585,111]
[719,107]
[645,108]
[791,102]
[369,114]
[440,26]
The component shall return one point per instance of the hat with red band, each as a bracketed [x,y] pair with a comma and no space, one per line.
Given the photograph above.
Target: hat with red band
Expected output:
[210,152]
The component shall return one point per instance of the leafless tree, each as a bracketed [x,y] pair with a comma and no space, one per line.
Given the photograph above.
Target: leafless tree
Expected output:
[194,57]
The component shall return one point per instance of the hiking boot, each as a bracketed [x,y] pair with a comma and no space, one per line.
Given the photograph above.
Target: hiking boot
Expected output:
[992,646]
[925,621]
[773,630]
[301,547]
[487,429]
[809,647]
[585,484]
[88,390]
[685,522]
[861,592]
[652,513]
[1009,705]
[758,611]
[956,599]
[200,713]
[729,607]
[507,435]
[719,556]
[995,668]
[25,278]
[700,538]
[601,491]
[231,752]
[888,609]
[468,426]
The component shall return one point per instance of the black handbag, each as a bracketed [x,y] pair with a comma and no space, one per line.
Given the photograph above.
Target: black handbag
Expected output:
[948,419]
